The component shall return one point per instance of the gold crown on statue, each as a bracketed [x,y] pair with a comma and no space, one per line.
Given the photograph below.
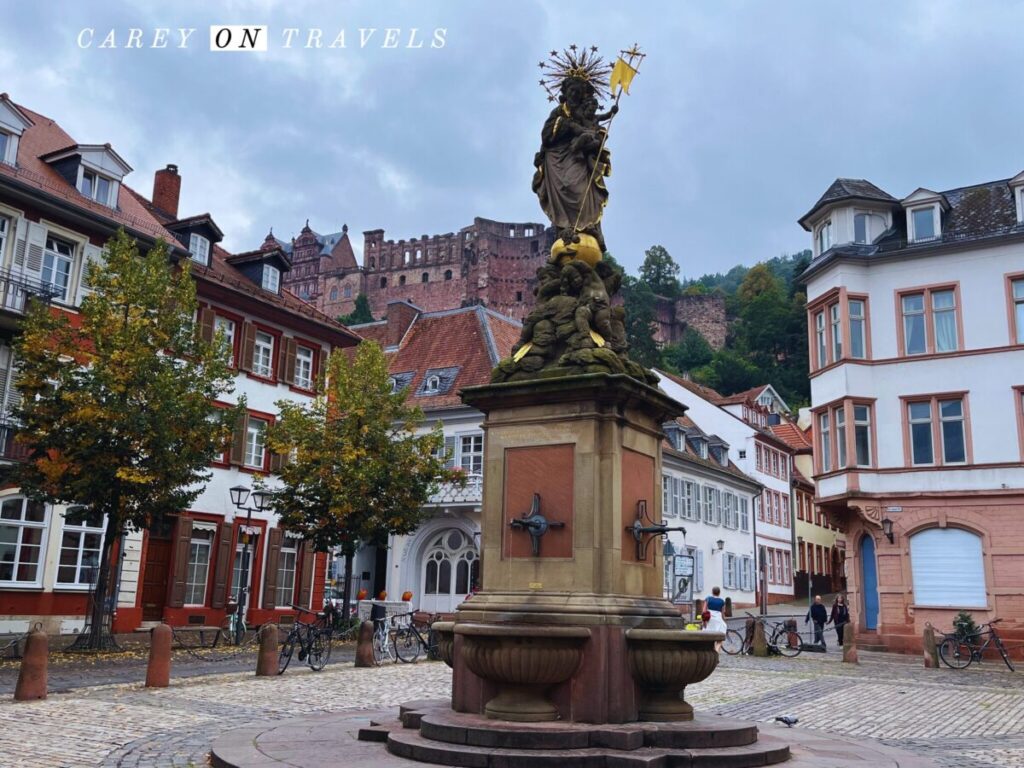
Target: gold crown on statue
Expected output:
[575,63]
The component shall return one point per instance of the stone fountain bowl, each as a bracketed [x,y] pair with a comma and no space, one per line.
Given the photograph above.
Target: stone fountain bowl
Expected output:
[522,661]
[663,662]
[445,633]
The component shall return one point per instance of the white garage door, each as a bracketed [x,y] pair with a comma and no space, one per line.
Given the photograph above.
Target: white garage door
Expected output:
[948,568]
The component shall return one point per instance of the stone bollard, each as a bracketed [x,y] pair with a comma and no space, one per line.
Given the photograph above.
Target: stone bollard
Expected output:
[727,611]
[364,648]
[850,644]
[31,684]
[929,648]
[266,662]
[760,643]
[158,670]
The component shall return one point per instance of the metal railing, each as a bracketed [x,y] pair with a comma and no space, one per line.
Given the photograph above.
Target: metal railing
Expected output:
[452,493]
[15,290]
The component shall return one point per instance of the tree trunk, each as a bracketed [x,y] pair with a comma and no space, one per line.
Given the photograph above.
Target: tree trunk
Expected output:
[349,556]
[97,638]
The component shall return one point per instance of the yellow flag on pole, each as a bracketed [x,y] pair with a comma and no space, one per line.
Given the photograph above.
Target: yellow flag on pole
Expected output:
[622,76]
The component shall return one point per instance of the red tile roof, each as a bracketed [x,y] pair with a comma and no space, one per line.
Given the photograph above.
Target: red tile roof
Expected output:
[748,396]
[792,435]
[707,393]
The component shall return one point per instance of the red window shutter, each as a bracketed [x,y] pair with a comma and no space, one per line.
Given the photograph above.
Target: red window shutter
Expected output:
[286,361]
[182,540]
[307,556]
[206,321]
[248,346]
[322,354]
[222,571]
[238,438]
[274,540]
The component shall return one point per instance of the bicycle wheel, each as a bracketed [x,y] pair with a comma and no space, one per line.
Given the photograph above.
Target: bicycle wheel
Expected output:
[407,645]
[319,651]
[733,642]
[955,653]
[786,643]
[1004,654]
[284,657]
[380,648]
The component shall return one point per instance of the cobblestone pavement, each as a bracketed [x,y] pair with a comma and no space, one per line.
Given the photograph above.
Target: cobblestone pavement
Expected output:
[968,718]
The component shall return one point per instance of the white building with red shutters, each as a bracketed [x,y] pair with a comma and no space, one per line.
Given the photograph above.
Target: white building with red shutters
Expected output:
[60,201]
[916,318]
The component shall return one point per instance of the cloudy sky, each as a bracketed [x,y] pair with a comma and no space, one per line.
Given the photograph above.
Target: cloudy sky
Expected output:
[742,114]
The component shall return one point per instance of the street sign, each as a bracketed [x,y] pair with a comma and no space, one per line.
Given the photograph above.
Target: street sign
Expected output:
[683,565]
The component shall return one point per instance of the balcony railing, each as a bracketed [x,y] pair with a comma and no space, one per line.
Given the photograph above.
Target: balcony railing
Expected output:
[16,288]
[452,493]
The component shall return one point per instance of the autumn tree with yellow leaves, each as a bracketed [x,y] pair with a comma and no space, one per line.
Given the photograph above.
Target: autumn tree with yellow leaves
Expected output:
[117,413]
[359,466]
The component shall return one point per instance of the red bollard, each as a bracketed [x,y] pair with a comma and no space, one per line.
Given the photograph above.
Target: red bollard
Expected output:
[158,671]
[32,676]
[364,648]
[266,662]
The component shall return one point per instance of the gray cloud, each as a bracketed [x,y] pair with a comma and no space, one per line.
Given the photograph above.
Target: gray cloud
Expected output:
[741,116]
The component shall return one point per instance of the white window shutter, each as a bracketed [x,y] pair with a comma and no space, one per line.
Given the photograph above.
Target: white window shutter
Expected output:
[91,255]
[33,254]
[699,580]
[725,571]
[449,451]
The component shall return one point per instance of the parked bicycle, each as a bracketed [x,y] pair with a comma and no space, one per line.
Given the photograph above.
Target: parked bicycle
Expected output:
[412,640]
[780,636]
[957,651]
[232,629]
[383,637]
[313,639]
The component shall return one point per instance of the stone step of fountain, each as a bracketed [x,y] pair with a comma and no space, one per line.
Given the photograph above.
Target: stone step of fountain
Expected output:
[377,732]
[414,746]
[475,730]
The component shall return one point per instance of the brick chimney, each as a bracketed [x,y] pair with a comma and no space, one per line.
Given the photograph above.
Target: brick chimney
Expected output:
[400,315]
[166,188]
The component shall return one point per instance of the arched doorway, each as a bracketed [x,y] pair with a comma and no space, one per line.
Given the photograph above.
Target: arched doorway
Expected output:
[449,568]
[869,582]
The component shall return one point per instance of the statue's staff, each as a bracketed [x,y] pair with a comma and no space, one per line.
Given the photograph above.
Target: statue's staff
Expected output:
[622,75]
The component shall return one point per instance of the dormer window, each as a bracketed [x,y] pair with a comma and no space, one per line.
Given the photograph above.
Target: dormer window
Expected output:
[432,384]
[199,247]
[394,384]
[272,278]
[825,237]
[922,224]
[5,140]
[96,187]
[1020,204]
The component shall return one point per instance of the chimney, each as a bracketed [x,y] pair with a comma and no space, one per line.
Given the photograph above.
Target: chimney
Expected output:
[400,315]
[166,187]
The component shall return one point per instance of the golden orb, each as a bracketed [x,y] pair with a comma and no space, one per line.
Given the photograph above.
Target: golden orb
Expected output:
[586,250]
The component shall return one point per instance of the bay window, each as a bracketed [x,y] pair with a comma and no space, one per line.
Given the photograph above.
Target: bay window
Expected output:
[819,334]
[840,419]
[840,323]
[835,322]
[825,436]
[857,320]
[862,435]
[825,237]
[22,532]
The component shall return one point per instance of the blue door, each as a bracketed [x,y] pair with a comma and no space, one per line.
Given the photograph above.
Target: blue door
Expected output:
[869,580]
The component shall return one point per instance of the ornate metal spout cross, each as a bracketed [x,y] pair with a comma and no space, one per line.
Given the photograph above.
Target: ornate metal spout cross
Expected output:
[534,523]
[644,534]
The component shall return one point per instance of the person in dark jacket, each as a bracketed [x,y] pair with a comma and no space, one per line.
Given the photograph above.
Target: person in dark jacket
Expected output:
[840,616]
[819,616]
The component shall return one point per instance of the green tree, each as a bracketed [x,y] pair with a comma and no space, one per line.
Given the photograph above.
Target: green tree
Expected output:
[117,412]
[360,313]
[729,372]
[691,351]
[641,314]
[358,470]
[660,272]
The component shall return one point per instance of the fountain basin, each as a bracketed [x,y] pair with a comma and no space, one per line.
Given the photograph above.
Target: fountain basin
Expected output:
[445,633]
[663,662]
[523,662]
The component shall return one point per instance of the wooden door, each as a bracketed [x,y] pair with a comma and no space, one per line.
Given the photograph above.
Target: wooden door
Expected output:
[154,579]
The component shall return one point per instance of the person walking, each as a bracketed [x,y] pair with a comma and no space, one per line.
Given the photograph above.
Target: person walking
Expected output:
[714,605]
[840,616]
[819,616]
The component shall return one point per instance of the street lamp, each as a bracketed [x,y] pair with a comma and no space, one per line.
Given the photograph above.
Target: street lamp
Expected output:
[262,500]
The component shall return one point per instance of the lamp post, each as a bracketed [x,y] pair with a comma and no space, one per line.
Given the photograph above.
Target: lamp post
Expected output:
[261,498]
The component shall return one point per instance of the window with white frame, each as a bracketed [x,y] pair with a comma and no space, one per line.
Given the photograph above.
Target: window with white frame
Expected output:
[96,187]
[744,514]
[922,222]
[825,437]
[198,571]
[840,417]
[835,322]
[825,237]
[263,355]
[691,492]
[729,570]
[1016,296]
[255,449]
[226,329]
[862,434]
[199,247]
[709,504]
[241,569]
[819,335]
[80,547]
[677,497]
[303,367]
[666,494]
[271,278]
[22,531]
[5,228]
[432,384]
[5,139]
[57,261]
[471,454]
[286,566]
[857,318]
[860,227]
